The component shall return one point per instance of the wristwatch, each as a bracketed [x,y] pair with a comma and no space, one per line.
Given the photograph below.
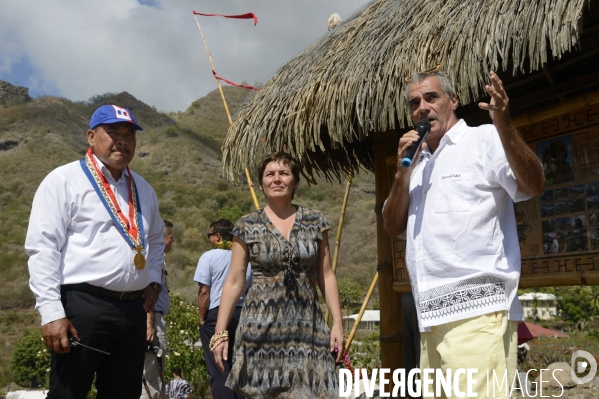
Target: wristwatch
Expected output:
[156,286]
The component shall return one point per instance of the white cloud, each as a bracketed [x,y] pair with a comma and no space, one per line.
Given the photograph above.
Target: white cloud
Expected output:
[154,50]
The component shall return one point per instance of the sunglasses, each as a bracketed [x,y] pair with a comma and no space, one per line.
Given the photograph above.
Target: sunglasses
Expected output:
[428,71]
[211,234]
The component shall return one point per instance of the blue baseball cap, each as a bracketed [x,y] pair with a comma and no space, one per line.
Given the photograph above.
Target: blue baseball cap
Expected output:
[108,114]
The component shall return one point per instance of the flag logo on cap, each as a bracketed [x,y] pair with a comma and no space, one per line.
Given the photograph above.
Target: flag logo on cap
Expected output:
[121,113]
[109,113]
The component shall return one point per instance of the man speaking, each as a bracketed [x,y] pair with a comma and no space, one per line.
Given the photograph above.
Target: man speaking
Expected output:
[454,207]
[95,246]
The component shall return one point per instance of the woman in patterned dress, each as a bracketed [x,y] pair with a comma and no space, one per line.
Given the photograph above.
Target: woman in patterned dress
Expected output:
[283,347]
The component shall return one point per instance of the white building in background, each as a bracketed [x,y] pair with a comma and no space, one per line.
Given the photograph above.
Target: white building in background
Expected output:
[371,319]
[545,305]
[23,394]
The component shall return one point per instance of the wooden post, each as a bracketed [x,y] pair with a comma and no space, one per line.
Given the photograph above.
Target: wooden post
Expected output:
[392,350]
[340,227]
[222,94]
[339,231]
[362,310]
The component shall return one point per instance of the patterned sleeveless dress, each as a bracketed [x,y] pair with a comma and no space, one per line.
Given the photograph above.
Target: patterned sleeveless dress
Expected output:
[282,342]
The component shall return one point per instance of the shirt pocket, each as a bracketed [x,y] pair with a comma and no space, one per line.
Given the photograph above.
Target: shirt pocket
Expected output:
[454,193]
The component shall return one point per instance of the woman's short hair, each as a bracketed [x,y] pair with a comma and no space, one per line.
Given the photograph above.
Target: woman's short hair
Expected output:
[224,227]
[283,157]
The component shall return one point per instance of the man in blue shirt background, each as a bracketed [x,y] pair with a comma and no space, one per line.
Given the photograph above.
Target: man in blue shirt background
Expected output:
[211,274]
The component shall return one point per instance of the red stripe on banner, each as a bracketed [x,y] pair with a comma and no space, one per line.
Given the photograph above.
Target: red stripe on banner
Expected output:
[249,15]
[233,83]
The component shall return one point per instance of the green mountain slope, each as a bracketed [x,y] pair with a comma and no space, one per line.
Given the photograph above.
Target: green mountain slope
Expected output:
[178,154]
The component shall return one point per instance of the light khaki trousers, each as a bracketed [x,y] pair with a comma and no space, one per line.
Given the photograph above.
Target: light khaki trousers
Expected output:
[487,343]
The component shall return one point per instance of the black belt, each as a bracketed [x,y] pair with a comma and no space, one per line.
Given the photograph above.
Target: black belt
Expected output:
[92,289]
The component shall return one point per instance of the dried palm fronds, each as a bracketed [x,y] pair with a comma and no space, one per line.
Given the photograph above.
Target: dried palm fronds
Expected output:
[322,104]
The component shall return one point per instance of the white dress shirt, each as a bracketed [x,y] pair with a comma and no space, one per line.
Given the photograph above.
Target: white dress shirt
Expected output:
[72,239]
[462,249]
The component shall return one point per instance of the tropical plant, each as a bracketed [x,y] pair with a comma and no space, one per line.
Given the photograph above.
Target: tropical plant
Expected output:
[182,333]
[576,305]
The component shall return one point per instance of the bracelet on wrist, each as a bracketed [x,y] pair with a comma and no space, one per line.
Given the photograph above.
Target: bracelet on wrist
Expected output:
[218,338]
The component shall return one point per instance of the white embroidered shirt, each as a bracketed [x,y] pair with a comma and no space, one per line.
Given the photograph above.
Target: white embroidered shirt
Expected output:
[462,249]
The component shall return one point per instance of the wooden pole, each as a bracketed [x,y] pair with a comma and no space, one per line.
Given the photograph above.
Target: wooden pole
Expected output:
[339,231]
[220,89]
[341,218]
[359,318]
[391,328]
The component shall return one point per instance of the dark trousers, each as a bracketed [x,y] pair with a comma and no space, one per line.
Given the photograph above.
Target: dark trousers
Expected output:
[117,327]
[411,333]
[216,377]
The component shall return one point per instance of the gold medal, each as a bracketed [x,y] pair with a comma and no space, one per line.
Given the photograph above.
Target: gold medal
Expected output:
[139,261]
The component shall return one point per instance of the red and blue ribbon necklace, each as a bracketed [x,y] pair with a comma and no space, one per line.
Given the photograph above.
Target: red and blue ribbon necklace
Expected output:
[130,228]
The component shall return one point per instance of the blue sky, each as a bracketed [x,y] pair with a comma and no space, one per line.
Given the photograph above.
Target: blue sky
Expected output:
[152,48]
[23,73]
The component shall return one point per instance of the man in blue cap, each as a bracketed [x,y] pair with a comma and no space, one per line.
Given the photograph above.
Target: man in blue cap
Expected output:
[95,247]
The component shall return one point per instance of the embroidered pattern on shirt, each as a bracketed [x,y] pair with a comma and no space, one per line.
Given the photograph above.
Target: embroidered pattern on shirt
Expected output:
[461,296]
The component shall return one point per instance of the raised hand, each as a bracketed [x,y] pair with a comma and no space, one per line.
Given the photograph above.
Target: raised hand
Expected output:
[498,107]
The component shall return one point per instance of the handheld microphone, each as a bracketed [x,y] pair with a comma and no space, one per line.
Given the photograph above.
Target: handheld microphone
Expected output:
[422,128]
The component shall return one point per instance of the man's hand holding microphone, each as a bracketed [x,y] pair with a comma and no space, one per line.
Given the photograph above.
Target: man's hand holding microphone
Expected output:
[411,146]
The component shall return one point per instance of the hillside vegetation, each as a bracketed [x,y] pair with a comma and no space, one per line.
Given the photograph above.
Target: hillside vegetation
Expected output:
[178,154]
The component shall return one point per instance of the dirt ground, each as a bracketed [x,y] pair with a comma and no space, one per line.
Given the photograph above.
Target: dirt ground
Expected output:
[578,392]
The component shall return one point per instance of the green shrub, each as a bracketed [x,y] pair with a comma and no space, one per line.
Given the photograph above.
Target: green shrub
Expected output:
[366,353]
[222,185]
[182,332]
[313,194]
[576,303]
[101,97]
[172,131]
[221,198]
[192,238]
[30,365]
[233,213]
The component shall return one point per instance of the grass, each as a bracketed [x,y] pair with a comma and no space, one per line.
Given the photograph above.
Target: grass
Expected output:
[547,350]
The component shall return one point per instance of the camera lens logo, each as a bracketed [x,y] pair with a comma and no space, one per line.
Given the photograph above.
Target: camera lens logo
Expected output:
[581,366]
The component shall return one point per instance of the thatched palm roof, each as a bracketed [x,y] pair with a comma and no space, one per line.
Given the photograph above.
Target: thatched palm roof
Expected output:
[322,104]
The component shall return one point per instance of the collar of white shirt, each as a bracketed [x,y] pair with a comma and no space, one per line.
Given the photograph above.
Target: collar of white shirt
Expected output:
[104,170]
